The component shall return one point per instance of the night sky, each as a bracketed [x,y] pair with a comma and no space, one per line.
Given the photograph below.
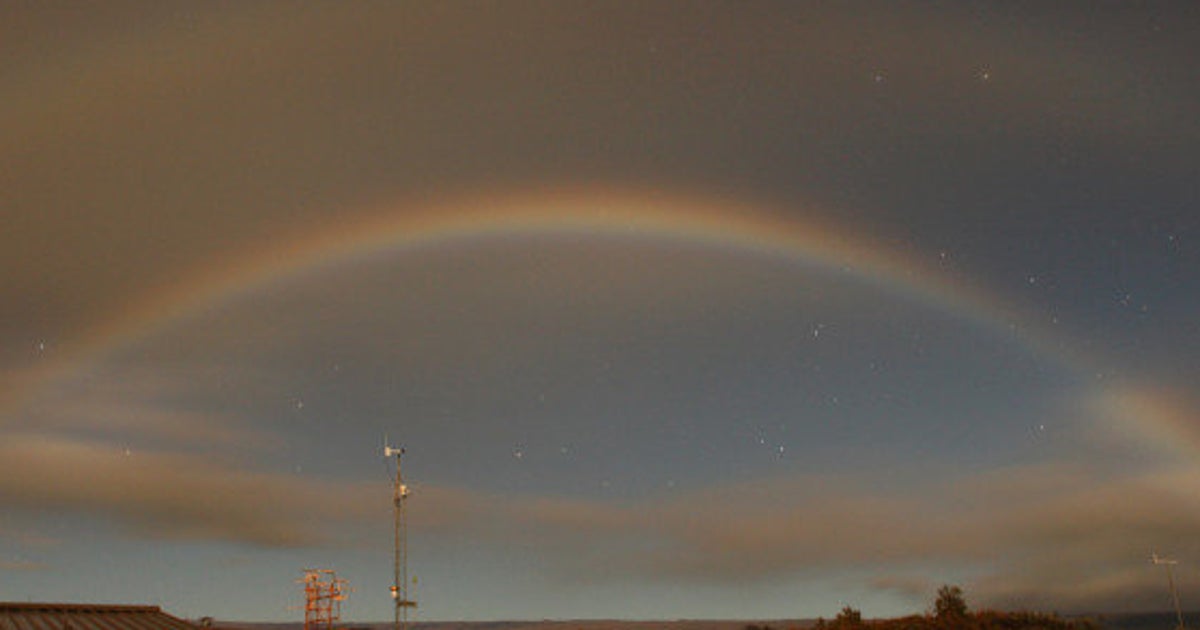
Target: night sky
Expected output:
[682,310]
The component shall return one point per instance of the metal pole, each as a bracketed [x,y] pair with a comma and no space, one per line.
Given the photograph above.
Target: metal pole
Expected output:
[400,559]
[397,594]
[1168,563]
[1175,596]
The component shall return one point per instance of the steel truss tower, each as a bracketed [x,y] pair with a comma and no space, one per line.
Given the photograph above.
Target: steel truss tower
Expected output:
[323,597]
[400,567]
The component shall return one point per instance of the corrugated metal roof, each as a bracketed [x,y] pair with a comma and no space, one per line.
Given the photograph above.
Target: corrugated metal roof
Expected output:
[31,616]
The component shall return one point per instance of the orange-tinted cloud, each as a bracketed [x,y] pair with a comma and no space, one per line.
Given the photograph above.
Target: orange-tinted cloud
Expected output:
[167,495]
[1040,536]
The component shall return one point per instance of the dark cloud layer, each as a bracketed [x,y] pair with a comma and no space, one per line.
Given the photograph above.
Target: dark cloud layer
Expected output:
[214,129]
[1048,535]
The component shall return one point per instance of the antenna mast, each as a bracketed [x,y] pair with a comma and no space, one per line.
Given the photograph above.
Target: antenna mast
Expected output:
[400,569]
[1168,563]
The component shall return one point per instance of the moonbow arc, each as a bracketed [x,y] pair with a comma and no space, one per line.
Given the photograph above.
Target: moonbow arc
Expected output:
[719,224]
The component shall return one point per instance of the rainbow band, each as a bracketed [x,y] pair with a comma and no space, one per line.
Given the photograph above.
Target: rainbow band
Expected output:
[718,224]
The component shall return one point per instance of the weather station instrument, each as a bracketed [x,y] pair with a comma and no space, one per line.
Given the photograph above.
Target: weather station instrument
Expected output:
[400,597]
[1170,564]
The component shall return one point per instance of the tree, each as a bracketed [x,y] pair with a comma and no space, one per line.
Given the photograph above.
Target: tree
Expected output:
[950,603]
[849,618]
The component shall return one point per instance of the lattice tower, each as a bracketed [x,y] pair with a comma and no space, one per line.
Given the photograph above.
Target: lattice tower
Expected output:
[324,593]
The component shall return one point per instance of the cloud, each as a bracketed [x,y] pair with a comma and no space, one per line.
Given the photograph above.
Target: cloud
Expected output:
[1042,537]
[134,405]
[12,530]
[22,566]
[171,495]
[913,587]
[1059,536]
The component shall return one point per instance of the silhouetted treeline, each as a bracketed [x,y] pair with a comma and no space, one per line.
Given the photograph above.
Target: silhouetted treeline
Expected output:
[950,613]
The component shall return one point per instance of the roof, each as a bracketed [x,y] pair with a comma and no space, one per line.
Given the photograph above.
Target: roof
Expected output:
[33,616]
